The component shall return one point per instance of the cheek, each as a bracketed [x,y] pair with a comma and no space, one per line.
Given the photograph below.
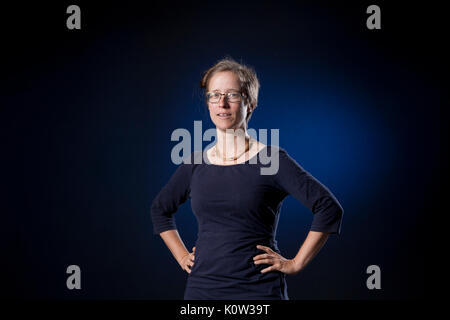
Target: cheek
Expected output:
[239,109]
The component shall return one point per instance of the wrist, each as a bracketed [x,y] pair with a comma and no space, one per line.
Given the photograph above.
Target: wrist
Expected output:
[180,261]
[298,264]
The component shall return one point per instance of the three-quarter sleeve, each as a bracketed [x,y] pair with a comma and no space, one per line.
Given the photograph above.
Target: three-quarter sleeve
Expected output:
[171,196]
[296,181]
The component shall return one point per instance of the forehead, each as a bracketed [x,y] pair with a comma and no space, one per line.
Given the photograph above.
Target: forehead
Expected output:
[224,80]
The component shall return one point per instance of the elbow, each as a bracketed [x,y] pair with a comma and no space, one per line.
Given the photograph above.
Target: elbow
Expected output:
[339,214]
[339,210]
[329,219]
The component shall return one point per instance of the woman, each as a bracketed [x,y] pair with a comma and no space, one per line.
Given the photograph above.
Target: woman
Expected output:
[237,208]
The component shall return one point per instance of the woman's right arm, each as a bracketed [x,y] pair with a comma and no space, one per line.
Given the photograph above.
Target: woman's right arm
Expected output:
[173,241]
[164,206]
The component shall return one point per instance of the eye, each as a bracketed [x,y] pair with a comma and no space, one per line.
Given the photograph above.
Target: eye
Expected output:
[213,95]
[233,94]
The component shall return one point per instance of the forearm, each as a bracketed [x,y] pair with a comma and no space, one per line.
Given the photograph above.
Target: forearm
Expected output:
[176,246]
[311,246]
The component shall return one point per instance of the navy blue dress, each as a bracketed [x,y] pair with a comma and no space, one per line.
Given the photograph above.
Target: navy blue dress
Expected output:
[237,208]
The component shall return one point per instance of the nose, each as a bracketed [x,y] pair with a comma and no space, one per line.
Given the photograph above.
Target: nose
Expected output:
[223,102]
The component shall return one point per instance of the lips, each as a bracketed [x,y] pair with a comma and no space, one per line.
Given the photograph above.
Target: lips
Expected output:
[224,115]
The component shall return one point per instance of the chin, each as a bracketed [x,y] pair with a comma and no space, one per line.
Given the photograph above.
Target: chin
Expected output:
[220,124]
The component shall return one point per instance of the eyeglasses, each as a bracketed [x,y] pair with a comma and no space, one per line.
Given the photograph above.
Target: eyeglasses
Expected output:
[214,97]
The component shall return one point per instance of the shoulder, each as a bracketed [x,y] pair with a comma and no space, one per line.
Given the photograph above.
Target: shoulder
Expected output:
[190,163]
[286,162]
[274,150]
[184,171]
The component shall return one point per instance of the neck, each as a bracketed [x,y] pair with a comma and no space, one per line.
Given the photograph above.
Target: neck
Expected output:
[232,142]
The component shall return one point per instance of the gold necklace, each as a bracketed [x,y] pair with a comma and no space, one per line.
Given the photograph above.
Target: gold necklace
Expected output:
[233,158]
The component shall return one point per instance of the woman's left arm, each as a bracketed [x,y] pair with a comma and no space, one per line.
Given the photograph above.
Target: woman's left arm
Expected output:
[311,246]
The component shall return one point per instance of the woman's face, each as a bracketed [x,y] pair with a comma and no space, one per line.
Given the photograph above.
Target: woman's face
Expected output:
[225,114]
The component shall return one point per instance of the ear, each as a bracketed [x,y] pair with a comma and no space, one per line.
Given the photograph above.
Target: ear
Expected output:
[249,111]
[250,108]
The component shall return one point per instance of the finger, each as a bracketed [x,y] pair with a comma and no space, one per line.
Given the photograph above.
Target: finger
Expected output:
[264,261]
[271,268]
[261,256]
[266,249]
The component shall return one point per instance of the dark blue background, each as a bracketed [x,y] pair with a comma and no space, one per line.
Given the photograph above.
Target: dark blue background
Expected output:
[87,115]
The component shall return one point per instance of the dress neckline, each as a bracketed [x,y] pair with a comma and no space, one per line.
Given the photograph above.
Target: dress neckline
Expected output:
[208,162]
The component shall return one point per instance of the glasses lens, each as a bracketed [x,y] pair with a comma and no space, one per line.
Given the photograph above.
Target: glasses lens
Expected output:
[213,97]
[234,96]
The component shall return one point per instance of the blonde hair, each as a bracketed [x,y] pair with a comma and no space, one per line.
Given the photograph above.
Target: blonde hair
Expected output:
[248,80]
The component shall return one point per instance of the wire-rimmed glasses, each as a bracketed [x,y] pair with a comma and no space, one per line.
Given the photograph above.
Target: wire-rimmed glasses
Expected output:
[233,96]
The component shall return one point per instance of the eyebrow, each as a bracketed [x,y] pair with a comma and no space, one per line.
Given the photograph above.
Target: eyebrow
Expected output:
[228,90]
